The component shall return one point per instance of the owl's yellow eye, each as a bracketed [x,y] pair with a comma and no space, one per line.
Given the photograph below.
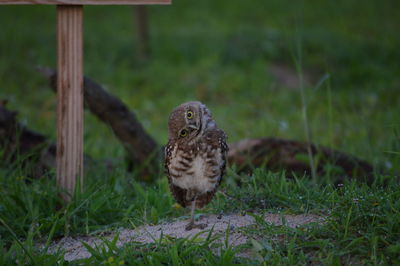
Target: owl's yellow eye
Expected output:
[189,115]
[183,133]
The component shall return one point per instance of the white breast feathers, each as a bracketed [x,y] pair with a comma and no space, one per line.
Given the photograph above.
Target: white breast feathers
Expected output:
[201,173]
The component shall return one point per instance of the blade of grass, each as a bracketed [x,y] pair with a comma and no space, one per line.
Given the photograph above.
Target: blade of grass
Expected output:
[18,241]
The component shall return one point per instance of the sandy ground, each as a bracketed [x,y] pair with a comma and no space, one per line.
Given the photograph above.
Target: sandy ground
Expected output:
[73,248]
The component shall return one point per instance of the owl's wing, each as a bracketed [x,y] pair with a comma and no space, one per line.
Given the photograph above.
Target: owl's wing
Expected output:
[224,149]
[178,193]
[167,158]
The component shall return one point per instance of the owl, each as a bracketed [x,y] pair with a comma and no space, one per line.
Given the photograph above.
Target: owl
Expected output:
[195,157]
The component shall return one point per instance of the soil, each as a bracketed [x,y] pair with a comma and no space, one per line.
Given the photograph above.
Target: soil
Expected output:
[74,249]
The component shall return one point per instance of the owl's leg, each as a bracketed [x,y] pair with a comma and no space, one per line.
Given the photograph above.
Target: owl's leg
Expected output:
[191,225]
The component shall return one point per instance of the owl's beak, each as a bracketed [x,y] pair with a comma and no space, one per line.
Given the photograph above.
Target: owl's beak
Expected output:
[192,126]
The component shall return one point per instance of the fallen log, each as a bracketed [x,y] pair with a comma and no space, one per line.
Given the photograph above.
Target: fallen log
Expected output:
[22,145]
[277,154]
[24,148]
[143,152]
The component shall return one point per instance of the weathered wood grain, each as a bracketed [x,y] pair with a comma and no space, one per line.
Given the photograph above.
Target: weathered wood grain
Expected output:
[85,2]
[70,98]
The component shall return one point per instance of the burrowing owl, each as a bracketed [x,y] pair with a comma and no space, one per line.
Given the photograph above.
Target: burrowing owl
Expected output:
[194,157]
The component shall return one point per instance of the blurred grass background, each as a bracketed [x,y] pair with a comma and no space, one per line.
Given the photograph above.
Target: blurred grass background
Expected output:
[239,58]
[224,53]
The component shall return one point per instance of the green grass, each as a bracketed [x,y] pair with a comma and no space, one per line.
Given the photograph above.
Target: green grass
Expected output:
[218,52]
[362,222]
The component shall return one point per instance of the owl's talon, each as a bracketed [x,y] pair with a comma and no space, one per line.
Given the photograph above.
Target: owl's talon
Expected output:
[191,226]
[201,226]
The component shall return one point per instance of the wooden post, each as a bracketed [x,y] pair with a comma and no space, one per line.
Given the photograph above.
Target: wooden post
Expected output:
[70,99]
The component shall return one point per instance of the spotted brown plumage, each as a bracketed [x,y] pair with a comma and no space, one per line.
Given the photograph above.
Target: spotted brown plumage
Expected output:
[195,156]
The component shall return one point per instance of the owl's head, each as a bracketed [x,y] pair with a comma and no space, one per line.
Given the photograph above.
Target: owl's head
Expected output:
[189,120]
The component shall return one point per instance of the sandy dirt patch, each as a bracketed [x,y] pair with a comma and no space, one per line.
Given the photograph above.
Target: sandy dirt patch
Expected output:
[74,249]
